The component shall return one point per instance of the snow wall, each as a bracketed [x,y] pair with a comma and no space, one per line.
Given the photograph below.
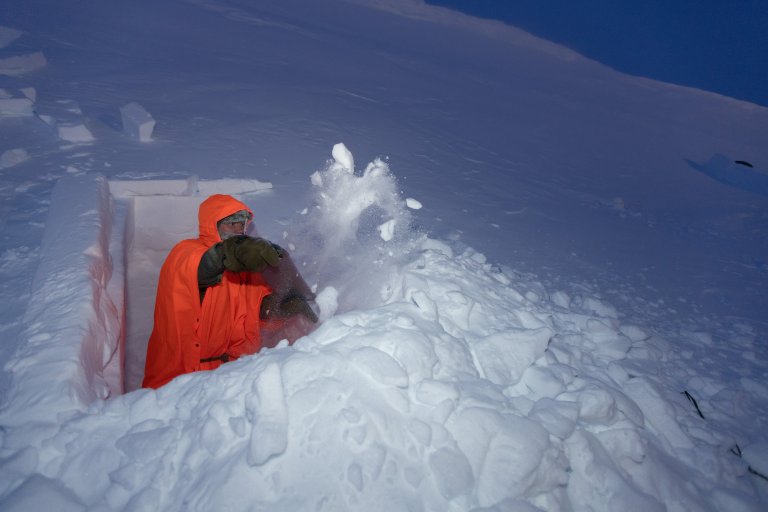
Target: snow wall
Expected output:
[86,328]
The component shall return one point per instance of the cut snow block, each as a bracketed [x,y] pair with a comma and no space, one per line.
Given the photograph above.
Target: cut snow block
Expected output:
[66,117]
[8,35]
[76,133]
[19,103]
[29,92]
[22,64]
[16,107]
[137,122]
[13,157]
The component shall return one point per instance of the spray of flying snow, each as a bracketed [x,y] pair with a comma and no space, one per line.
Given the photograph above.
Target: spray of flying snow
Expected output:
[356,232]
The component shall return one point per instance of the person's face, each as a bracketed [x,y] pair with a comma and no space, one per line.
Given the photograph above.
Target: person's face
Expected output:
[227,230]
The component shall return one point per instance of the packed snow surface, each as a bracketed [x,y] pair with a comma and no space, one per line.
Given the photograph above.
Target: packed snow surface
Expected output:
[534,296]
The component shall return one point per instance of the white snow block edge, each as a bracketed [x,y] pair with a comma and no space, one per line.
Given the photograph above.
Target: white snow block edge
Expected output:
[13,157]
[137,122]
[191,186]
[12,107]
[22,64]
[75,133]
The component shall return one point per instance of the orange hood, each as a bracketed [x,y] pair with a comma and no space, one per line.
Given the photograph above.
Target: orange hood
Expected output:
[212,210]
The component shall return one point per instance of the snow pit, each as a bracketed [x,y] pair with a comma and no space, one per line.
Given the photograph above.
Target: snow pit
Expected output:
[95,286]
[158,214]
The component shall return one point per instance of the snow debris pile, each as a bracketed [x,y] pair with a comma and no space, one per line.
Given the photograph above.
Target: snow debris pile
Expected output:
[454,385]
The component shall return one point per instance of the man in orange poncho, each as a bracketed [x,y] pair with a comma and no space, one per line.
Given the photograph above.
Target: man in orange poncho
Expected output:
[213,302]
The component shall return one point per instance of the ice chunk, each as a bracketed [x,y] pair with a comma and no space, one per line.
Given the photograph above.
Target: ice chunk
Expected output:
[211,436]
[421,431]
[66,117]
[22,64]
[387,230]
[600,308]
[379,367]
[267,410]
[413,204]
[557,416]
[8,35]
[540,381]
[328,302]
[137,122]
[597,484]
[76,133]
[41,493]
[504,356]
[660,415]
[12,157]
[343,157]
[16,107]
[610,342]
[597,405]
[29,92]
[452,472]
[560,299]
[146,441]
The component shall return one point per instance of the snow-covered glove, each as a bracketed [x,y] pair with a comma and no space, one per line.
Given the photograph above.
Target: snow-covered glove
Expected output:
[248,253]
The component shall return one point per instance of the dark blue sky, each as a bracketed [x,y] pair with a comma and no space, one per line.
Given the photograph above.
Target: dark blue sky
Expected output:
[716,45]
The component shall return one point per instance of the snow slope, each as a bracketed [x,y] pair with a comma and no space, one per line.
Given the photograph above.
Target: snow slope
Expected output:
[531,300]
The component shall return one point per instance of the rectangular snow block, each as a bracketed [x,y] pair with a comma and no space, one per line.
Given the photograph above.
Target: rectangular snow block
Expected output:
[137,122]
[66,117]
[16,107]
[12,157]
[22,64]
[77,133]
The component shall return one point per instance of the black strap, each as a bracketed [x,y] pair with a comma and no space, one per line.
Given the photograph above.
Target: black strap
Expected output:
[223,358]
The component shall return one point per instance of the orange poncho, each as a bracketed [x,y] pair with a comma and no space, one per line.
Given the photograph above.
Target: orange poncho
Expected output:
[227,321]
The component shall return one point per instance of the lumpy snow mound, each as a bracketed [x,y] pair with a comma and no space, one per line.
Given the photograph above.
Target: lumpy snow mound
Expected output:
[457,385]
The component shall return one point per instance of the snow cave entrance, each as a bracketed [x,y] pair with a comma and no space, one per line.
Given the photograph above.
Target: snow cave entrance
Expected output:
[149,218]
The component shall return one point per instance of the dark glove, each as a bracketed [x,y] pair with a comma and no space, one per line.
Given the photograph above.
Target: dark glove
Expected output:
[297,305]
[290,306]
[247,253]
